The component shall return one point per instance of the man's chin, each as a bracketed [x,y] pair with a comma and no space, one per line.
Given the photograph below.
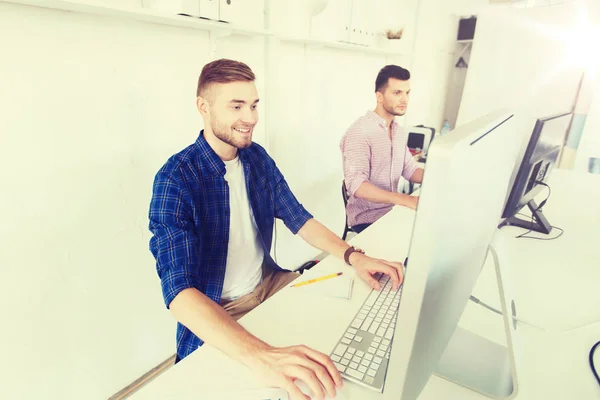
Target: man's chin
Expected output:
[244,144]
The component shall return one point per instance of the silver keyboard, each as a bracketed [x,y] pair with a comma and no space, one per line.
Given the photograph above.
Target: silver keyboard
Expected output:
[362,353]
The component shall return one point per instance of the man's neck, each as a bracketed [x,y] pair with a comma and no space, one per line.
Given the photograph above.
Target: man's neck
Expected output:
[389,118]
[225,151]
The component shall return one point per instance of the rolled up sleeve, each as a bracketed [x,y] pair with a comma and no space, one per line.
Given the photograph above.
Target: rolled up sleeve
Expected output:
[174,244]
[356,156]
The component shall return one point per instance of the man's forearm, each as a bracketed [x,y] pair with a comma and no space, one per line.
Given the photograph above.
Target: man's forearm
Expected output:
[370,192]
[319,236]
[209,321]
[417,176]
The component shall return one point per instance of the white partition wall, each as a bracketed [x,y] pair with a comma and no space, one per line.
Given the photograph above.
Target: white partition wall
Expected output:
[521,59]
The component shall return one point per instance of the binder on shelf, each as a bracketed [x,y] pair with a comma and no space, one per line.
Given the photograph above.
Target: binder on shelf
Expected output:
[226,9]
[209,9]
[174,7]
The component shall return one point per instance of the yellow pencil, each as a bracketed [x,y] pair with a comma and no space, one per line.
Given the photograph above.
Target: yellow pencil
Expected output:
[317,279]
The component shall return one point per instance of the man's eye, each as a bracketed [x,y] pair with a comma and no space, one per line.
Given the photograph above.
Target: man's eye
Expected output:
[237,107]
[254,107]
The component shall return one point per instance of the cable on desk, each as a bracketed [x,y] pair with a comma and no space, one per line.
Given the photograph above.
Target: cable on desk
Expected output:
[492,309]
[592,366]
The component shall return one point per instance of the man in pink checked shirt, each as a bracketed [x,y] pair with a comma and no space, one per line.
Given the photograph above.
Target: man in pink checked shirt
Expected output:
[375,154]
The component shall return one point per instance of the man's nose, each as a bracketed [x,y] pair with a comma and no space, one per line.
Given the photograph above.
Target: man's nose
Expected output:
[250,117]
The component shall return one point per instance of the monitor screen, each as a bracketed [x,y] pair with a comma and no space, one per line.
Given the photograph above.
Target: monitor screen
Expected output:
[415,140]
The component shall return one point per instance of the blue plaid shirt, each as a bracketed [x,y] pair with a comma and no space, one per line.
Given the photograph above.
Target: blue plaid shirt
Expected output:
[189,220]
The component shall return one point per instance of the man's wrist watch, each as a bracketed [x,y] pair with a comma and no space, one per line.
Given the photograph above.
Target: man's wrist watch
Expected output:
[349,251]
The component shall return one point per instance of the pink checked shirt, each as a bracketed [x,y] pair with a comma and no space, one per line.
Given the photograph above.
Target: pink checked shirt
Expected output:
[370,156]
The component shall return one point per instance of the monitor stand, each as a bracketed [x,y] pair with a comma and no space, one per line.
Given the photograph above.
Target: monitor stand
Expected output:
[478,363]
[539,223]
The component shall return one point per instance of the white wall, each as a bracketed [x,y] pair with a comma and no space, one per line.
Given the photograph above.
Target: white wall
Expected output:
[517,62]
[589,146]
[91,108]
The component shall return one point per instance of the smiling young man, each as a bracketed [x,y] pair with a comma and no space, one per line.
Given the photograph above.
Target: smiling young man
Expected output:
[375,154]
[212,213]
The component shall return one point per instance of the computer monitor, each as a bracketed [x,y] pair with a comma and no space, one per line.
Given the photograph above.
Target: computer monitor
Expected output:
[461,200]
[540,156]
[415,141]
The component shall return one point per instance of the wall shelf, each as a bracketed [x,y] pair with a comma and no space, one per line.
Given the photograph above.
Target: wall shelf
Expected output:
[144,15]
[342,46]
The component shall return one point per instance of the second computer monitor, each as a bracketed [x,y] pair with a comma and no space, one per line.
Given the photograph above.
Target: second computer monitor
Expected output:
[540,157]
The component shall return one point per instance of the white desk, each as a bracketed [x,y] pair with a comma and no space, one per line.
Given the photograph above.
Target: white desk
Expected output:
[555,285]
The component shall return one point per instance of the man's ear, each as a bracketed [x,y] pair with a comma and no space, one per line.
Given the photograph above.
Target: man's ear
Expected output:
[379,97]
[202,105]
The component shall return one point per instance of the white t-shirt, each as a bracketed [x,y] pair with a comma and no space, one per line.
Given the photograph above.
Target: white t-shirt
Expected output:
[244,252]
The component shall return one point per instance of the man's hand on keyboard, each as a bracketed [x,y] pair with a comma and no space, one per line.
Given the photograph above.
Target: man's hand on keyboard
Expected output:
[366,267]
[281,366]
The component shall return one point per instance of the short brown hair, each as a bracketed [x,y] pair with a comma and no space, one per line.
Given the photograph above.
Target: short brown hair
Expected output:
[223,71]
[387,72]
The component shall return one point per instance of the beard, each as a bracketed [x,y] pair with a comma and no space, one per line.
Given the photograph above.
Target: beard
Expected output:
[226,134]
[391,111]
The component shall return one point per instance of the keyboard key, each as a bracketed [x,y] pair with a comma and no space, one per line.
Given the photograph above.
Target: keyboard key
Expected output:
[356,359]
[356,323]
[372,298]
[376,339]
[360,353]
[365,362]
[385,326]
[355,374]
[389,334]
[372,350]
[349,335]
[377,360]
[358,339]
[380,353]
[362,368]
[365,325]
[339,367]
[346,340]
[381,331]
[353,365]
[374,327]
[345,361]
[368,357]
[351,350]
[369,380]
[371,372]
[386,342]
[336,358]
[340,349]
[352,331]
[383,347]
